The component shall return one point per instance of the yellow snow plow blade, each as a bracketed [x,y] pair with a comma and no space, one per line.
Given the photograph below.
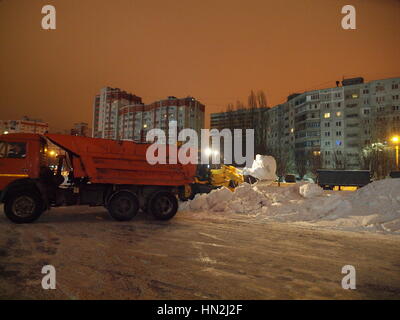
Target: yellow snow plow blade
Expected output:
[227,176]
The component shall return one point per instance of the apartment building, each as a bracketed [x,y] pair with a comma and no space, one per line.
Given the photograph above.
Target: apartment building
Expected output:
[25,125]
[238,119]
[80,129]
[106,111]
[121,115]
[335,123]
[243,119]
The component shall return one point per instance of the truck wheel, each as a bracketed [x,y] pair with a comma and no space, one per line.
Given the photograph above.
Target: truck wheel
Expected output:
[183,196]
[23,206]
[123,206]
[163,205]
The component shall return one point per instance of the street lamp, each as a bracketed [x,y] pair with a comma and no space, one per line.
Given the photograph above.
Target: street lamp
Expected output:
[208,152]
[396,140]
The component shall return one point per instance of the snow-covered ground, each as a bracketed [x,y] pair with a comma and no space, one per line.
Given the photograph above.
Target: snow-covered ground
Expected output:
[375,207]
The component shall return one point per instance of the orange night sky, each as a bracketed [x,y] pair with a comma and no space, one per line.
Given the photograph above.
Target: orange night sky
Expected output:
[214,50]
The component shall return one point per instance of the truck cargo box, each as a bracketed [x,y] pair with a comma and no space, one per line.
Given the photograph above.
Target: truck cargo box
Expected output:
[120,162]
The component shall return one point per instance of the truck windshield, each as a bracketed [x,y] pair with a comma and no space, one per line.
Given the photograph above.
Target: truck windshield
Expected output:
[43,152]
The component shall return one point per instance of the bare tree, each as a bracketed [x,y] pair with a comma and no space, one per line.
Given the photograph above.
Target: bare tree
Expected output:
[252,100]
[301,163]
[260,120]
[315,161]
[281,155]
[252,117]
[229,107]
[262,99]
[339,161]
[378,159]
[261,131]
[377,156]
[240,105]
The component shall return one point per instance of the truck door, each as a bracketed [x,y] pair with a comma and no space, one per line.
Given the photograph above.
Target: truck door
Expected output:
[13,162]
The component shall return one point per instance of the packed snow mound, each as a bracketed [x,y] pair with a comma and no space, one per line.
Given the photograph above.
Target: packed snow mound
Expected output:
[310,190]
[247,199]
[244,199]
[375,207]
[263,168]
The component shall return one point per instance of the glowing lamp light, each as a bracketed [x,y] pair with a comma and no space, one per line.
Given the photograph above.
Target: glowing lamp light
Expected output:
[207,151]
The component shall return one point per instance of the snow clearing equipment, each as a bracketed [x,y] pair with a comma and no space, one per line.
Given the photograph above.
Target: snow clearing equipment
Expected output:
[110,173]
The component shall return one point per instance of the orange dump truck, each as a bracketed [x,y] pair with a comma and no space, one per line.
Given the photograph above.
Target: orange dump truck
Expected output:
[100,172]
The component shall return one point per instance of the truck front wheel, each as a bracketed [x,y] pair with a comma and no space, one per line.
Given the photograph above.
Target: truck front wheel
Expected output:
[23,206]
[123,206]
[163,205]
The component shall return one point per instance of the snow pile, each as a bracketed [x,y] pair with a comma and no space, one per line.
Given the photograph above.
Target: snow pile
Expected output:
[375,207]
[263,168]
[247,199]
[310,190]
[244,199]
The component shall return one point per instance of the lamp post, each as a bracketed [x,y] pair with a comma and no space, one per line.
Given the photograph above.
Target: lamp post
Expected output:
[396,140]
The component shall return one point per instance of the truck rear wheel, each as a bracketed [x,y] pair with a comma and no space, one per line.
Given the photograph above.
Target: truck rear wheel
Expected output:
[123,206]
[163,205]
[23,206]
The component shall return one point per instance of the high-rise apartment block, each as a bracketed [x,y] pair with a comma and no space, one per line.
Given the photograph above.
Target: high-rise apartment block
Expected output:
[121,115]
[335,123]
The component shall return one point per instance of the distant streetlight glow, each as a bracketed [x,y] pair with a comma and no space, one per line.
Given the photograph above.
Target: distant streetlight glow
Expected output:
[207,151]
[396,140]
[5,132]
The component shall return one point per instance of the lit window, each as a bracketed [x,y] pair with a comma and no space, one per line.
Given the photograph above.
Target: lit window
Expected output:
[338,114]
[354,95]
[327,115]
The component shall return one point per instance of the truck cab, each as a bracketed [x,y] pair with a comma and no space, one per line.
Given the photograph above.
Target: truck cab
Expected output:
[22,162]
[17,159]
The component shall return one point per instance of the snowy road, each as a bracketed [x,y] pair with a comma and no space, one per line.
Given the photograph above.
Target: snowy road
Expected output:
[191,257]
